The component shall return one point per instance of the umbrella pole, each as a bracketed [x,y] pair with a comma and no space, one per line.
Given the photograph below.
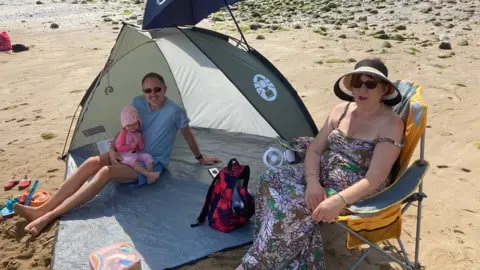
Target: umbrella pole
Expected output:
[236,24]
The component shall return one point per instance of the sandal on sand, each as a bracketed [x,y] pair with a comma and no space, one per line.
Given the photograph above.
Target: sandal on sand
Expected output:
[25,182]
[11,183]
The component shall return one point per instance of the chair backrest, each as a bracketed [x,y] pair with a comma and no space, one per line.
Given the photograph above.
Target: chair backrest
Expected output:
[413,111]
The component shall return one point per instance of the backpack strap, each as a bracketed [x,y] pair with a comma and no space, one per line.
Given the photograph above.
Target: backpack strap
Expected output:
[245,172]
[203,215]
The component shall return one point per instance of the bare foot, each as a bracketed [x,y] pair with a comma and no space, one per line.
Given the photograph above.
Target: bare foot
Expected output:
[27,212]
[36,227]
[152,175]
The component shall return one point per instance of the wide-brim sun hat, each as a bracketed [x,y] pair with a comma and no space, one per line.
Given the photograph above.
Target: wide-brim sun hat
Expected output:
[343,86]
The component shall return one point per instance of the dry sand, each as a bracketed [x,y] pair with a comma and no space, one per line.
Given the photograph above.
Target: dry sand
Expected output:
[41,88]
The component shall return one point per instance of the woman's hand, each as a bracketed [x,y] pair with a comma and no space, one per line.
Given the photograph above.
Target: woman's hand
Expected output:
[329,209]
[314,194]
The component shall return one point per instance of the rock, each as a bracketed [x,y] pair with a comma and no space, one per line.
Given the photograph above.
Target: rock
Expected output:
[255,26]
[260,37]
[39,2]
[352,25]
[275,27]
[342,36]
[369,50]
[381,36]
[386,44]
[54,26]
[133,17]
[320,30]
[351,60]
[107,19]
[297,26]
[444,56]
[398,37]
[426,9]
[362,18]
[445,45]
[463,43]
[401,27]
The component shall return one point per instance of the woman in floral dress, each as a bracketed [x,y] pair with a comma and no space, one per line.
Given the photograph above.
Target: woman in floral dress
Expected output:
[352,154]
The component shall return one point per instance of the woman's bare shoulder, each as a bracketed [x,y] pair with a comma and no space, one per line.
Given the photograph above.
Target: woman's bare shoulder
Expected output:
[337,111]
[392,124]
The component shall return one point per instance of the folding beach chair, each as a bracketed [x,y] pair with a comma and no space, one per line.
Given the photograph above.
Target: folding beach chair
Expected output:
[378,218]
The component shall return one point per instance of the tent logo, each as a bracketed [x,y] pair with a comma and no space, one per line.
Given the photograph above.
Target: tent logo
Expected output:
[264,87]
[160,2]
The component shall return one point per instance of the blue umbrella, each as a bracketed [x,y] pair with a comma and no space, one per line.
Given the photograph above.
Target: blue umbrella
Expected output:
[168,13]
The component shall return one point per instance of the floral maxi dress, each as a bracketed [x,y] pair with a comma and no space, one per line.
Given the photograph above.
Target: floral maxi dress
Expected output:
[286,237]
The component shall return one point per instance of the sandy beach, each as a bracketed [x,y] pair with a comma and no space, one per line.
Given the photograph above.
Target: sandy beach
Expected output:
[41,88]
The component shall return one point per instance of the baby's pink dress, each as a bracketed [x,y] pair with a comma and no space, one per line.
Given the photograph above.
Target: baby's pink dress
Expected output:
[126,147]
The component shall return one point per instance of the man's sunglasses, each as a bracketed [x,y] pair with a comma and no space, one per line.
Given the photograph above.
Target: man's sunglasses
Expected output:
[369,84]
[149,90]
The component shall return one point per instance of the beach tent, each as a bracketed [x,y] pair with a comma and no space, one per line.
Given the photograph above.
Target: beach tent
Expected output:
[237,102]
[221,86]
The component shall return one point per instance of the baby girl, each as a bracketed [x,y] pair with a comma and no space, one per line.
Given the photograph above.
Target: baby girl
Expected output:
[129,142]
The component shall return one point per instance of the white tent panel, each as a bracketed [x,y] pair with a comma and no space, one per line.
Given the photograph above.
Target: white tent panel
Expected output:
[209,97]
[124,76]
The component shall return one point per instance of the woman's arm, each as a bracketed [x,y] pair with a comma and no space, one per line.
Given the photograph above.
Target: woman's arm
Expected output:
[384,156]
[319,144]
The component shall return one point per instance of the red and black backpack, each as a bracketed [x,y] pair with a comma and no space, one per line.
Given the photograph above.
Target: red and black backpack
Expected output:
[228,204]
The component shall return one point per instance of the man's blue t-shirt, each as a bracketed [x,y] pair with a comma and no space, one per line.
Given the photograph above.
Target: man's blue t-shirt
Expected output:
[159,129]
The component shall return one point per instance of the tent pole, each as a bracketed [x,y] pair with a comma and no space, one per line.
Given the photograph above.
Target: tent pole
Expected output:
[236,24]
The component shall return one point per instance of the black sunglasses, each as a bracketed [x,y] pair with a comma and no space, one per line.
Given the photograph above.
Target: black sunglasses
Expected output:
[369,84]
[149,90]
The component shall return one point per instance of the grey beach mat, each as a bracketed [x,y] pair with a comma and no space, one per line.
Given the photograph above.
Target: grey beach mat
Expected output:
[154,219]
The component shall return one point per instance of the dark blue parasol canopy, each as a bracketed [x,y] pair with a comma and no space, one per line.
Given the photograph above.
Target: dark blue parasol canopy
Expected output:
[168,13]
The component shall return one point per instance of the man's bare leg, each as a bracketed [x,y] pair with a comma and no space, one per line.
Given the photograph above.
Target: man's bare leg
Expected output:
[84,194]
[90,167]
[147,172]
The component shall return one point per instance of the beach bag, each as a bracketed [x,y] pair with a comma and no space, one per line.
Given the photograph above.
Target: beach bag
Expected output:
[5,44]
[228,204]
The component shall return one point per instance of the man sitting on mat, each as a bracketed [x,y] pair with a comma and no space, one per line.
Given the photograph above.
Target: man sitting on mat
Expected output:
[161,118]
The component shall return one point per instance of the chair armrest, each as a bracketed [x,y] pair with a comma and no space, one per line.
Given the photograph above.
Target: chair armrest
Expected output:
[401,189]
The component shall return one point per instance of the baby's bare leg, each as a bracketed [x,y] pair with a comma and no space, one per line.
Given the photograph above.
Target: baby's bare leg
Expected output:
[139,168]
[150,167]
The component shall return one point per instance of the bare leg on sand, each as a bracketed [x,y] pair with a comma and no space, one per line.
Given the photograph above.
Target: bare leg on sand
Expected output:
[74,193]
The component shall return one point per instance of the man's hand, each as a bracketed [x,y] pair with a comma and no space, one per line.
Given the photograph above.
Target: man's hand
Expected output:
[115,157]
[209,160]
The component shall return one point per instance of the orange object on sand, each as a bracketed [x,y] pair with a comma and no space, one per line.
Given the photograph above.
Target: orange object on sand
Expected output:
[39,197]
